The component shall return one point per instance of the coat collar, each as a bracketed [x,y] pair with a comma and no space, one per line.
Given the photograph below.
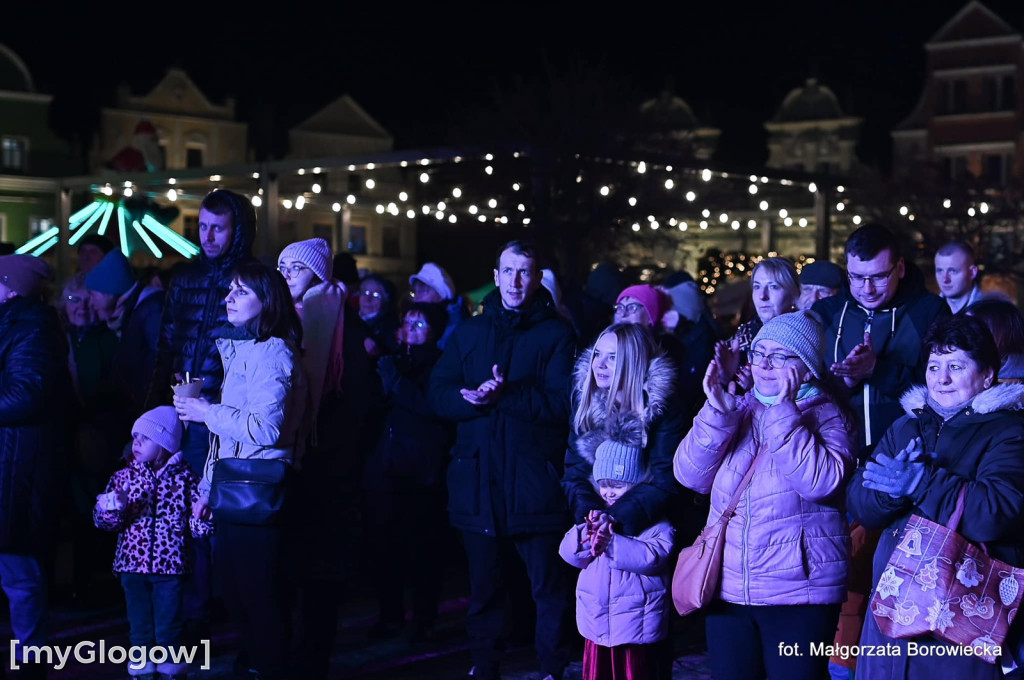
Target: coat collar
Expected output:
[1001,397]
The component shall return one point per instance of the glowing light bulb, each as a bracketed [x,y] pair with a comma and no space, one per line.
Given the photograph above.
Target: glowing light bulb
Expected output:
[350,199]
[257,201]
[424,177]
[473,210]
[632,201]
[456,192]
[402,196]
[492,203]
[763,205]
[690,196]
[370,184]
[336,207]
[706,175]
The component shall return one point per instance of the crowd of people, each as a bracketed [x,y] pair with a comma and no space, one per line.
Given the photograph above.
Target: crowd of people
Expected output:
[263,435]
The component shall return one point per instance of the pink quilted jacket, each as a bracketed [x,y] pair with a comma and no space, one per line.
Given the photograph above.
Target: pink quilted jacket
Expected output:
[788,542]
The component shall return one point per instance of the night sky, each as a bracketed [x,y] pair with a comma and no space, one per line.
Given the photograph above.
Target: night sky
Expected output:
[418,70]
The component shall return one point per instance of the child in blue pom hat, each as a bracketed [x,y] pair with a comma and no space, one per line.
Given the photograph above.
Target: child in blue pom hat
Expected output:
[623,592]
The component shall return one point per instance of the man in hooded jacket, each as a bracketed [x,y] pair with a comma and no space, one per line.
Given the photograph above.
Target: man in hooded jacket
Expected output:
[194,312]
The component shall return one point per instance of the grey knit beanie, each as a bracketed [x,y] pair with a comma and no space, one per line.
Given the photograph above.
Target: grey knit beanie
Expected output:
[620,456]
[800,332]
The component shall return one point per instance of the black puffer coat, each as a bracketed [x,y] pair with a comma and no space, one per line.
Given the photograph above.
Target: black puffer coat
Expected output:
[506,467]
[193,310]
[981,449]
[35,387]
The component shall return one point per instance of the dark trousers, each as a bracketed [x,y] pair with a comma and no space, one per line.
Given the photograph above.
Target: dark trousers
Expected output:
[251,574]
[199,584]
[406,525]
[154,606]
[745,642]
[552,594]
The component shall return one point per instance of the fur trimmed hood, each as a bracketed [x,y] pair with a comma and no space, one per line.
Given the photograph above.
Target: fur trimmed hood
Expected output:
[658,389]
[1001,397]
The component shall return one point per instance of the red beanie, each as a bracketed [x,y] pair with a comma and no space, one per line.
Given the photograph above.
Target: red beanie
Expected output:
[649,297]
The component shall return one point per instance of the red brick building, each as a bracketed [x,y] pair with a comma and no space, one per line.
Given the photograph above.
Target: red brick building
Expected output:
[970,117]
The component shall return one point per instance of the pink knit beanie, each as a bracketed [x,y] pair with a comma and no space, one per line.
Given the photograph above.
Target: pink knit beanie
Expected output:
[649,297]
[314,253]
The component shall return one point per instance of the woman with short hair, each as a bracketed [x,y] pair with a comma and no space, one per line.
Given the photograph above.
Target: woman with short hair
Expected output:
[961,431]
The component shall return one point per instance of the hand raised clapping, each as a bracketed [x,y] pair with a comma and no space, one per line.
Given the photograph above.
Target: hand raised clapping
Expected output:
[721,398]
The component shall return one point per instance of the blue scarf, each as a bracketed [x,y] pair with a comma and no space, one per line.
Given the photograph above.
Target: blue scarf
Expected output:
[806,390]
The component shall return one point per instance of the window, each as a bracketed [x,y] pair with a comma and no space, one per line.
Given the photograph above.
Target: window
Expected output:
[953,96]
[190,224]
[1008,94]
[14,154]
[996,168]
[999,93]
[954,167]
[355,183]
[37,225]
[193,157]
[391,245]
[324,231]
[357,240]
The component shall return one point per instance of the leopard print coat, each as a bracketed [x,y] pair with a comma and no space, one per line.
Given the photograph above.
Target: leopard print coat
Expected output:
[157,524]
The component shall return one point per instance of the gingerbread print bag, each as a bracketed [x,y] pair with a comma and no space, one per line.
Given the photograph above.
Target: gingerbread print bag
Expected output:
[940,584]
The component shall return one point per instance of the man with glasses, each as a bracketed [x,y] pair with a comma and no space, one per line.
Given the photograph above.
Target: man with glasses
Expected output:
[875,328]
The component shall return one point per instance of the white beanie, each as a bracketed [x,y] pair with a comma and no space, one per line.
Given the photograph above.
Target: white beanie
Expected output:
[315,253]
[435,277]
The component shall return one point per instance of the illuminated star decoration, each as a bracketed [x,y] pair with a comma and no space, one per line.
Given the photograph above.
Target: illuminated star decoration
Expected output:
[145,217]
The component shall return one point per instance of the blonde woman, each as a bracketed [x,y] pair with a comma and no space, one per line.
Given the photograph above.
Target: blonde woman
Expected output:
[622,383]
[774,290]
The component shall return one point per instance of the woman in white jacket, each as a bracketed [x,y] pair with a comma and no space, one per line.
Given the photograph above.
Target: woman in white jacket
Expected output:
[258,417]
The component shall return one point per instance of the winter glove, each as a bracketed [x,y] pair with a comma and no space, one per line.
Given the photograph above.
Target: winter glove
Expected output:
[897,476]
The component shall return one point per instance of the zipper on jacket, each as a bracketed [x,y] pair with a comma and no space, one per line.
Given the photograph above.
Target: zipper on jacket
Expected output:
[196,367]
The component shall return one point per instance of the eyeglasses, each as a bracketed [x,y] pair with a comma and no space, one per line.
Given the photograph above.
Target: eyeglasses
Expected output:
[377,295]
[294,270]
[631,308]
[421,325]
[75,299]
[879,280]
[775,360]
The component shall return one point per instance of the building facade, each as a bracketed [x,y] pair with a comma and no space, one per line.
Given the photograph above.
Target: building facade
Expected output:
[969,119]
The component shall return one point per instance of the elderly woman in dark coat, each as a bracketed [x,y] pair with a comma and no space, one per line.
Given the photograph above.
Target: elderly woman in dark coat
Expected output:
[961,430]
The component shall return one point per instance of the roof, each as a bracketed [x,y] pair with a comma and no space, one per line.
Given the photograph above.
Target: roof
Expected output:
[667,112]
[973,21]
[810,102]
[343,116]
[14,75]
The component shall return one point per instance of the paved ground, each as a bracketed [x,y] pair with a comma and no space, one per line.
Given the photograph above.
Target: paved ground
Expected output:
[442,657]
